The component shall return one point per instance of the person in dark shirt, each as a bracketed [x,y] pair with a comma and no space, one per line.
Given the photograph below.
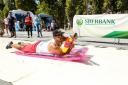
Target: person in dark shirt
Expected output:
[11,24]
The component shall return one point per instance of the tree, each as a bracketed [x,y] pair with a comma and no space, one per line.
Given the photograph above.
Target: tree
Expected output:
[124,7]
[106,6]
[28,5]
[70,10]
[19,4]
[64,10]
[42,8]
[97,5]
[119,5]
[60,12]
[84,7]
[79,7]
[56,8]
[11,4]
[5,10]
[1,4]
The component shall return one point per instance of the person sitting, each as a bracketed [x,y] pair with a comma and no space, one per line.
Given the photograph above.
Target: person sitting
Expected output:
[53,46]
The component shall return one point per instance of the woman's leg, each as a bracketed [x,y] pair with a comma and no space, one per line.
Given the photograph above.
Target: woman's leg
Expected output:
[37,26]
[12,45]
[14,32]
[27,29]
[30,28]
[16,45]
[10,30]
[6,28]
[40,30]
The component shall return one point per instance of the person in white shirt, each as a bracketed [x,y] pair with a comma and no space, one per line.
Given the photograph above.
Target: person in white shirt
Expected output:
[53,46]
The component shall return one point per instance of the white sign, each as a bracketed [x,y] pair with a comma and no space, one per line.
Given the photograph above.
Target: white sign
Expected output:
[104,25]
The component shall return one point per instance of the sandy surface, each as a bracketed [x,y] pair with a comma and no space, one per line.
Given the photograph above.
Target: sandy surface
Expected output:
[109,67]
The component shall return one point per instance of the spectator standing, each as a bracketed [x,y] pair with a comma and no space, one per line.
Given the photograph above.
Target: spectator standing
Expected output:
[22,28]
[52,25]
[6,25]
[28,23]
[17,25]
[11,24]
[38,25]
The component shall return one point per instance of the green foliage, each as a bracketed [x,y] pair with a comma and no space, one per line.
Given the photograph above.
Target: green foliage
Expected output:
[106,5]
[43,8]
[56,8]
[84,7]
[64,10]
[1,15]
[119,4]
[79,7]
[19,4]
[11,4]
[5,11]
[70,9]
[1,4]
[27,5]
[122,5]
[97,5]
[1,1]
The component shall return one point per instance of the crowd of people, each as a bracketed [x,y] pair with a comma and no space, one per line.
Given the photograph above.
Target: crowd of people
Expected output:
[28,24]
